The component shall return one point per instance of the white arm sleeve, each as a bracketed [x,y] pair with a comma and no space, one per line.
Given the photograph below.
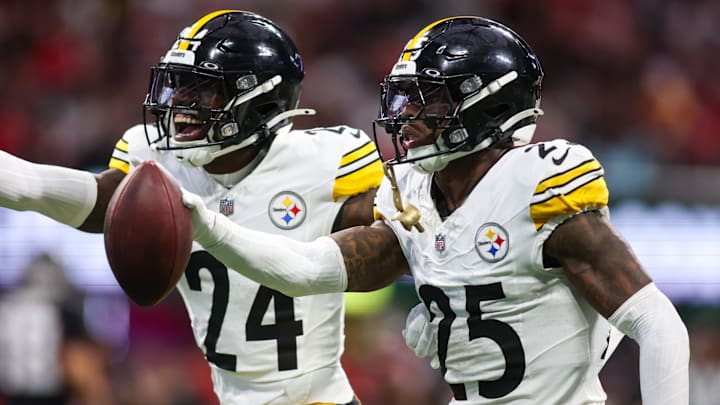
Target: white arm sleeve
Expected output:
[651,320]
[63,194]
[292,267]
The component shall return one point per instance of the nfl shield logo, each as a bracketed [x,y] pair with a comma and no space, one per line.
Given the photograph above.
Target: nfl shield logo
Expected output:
[227,206]
[439,242]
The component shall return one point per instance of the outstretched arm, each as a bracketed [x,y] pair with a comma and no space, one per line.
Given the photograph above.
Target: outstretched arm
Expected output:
[107,182]
[367,249]
[72,197]
[602,266]
[361,258]
[371,255]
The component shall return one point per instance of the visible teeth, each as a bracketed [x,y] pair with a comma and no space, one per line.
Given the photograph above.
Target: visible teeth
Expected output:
[186,119]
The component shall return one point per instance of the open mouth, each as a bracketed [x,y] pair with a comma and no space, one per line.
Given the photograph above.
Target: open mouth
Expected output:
[187,128]
[410,136]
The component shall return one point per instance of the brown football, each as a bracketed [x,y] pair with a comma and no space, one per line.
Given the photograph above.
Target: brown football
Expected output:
[148,234]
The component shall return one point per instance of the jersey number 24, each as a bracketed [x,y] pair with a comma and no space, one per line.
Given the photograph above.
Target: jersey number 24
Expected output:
[285,329]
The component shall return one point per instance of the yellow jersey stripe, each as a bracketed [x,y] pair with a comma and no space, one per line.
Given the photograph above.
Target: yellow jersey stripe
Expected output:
[199,24]
[568,175]
[358,181]
[119,164]
[358,153]
[593,194]
[122,145]
[411,45]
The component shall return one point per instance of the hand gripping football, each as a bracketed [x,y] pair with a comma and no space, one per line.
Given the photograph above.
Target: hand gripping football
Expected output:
[148,234]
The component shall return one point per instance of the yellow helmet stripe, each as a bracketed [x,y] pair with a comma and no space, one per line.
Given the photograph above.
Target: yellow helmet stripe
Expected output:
[411,45]
[199,24]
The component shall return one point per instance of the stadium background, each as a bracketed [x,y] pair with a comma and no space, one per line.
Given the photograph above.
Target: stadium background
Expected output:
[635,80]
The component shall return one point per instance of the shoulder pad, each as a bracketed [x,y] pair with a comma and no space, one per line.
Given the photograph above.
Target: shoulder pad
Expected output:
[133,137]
[360,167]
[570,181]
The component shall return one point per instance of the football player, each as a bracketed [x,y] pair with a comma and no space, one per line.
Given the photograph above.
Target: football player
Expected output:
[520,272]
[218,118]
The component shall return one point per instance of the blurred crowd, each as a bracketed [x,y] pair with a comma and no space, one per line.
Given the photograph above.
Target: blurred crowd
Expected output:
[633,79]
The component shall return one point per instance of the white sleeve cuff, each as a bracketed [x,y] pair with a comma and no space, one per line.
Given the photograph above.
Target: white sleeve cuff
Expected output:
[63,194]
[649,318]
[292,267]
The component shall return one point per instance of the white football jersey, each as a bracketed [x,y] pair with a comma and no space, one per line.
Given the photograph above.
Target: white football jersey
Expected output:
[511,329]
[258,341]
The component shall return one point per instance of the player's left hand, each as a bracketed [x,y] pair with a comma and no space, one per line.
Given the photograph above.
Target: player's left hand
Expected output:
[202,218]
[419,334]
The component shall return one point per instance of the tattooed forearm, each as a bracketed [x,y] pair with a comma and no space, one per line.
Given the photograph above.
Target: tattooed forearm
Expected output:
[597,261]
[373,257]
[606,284]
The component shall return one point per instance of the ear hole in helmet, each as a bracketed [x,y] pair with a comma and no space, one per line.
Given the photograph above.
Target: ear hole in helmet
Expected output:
[497,110]
[267,108]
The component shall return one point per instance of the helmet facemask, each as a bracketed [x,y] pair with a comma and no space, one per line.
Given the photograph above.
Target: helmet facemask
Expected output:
[230,81]
[421,102]
[199,112]
[461,112]
[493,81]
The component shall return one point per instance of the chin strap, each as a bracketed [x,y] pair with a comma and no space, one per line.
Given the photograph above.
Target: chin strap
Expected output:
[288,114]
[530,112]
[200,157]
[522,135]
[267,86]
[408,215]
[432,158]
[491,88]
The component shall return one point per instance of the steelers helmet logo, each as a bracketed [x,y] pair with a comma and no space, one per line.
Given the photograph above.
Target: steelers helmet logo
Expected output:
[492,242]
[287,210]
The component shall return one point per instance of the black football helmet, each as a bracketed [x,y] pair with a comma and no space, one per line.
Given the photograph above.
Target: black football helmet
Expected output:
[471,78]
[229,82]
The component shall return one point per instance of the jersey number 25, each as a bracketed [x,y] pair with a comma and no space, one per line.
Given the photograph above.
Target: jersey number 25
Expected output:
[500,332]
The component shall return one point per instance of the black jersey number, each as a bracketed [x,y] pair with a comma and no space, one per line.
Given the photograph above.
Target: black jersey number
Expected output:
[557,157]
[500,332]
[284,330]
[338,130]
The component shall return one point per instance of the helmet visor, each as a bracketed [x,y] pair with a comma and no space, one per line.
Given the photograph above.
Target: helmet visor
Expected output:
[411,98]
[186,90]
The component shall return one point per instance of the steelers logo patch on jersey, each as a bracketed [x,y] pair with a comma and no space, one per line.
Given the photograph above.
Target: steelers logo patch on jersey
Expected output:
[287,210]
[492,242]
